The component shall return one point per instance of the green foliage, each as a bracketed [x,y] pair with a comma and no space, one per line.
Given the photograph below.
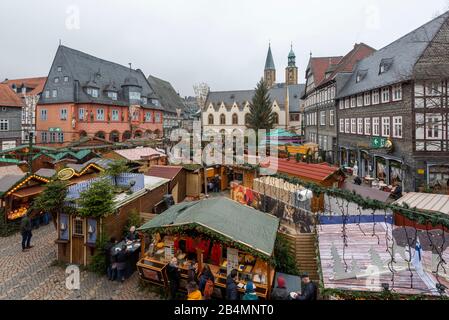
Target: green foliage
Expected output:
[134,219]
[284,260]
[298,157]
[8,228]
[98,262]
[116,168]
[261,115]
[52,199]
[97,201]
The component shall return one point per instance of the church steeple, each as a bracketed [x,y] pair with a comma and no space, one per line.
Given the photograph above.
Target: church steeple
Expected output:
[270,69]
[291,72]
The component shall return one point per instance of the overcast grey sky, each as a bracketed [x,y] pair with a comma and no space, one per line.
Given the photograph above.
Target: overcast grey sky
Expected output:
[220,42]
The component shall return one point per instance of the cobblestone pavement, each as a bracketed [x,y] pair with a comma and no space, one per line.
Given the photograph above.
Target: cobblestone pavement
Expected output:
[34,275]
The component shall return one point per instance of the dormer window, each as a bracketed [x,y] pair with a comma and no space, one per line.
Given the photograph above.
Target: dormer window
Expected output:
[133,95]
[112,95]
[385,65]
[361,74]
[93,92]
[144,100]
[57,80]
[155,102]
[59,69]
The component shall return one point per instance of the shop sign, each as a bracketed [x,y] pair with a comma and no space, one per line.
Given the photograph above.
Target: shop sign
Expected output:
[66,174]
[378,142]
[55,129]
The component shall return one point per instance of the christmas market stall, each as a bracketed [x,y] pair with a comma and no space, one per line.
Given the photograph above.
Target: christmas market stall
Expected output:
[219,232]
[78,230]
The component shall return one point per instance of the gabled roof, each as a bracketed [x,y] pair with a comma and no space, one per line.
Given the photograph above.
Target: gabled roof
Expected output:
[8,98]
[10,170]
[168,97]
[348,62]
[167,172]
[35,84]
[247,226]
[319,66]
[404,53]
[84,70]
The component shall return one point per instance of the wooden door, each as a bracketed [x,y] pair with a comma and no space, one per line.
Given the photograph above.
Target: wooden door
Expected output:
[78,247]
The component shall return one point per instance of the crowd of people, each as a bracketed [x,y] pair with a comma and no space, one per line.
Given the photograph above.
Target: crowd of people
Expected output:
[201,286]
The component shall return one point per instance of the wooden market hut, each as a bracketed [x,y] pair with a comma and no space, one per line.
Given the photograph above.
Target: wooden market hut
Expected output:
[177,177]
[145,157]
[218,231]
[77,235]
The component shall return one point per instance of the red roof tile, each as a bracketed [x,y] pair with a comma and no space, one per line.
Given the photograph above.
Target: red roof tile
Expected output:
[320,65]
[8,98]
[36,83]
[306,171]
[167,172]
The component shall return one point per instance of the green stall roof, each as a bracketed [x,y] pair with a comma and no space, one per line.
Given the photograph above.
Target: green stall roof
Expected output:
[250,227]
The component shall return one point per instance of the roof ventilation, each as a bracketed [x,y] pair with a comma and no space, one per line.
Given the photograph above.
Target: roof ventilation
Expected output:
[385,65]
[232,96]
[361,74]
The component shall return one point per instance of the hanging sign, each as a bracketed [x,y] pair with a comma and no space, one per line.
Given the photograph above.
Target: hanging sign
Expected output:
[66,174]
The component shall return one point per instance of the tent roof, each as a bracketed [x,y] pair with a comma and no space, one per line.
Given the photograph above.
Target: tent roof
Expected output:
[250,227]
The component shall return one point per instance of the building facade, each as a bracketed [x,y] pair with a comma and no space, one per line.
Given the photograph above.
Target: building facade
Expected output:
[29,90]
[226,111]
[323,76]
[10,118]
[88,96]
[393,111]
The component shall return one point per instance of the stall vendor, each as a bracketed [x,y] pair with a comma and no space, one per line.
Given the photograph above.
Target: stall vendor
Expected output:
[132,234]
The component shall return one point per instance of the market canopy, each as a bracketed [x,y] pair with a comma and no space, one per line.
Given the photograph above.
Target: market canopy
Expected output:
[426,201]
[251,228]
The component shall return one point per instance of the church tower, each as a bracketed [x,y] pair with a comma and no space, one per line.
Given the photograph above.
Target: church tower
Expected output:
[291,72]
[270,70]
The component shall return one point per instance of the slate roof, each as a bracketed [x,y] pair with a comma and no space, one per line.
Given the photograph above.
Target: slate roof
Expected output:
[46,173]
[8,181]
[250,227]
[241,97]
[83,69]
[168,97]
[404,52]
[10,170]
[8,98]
[269,63]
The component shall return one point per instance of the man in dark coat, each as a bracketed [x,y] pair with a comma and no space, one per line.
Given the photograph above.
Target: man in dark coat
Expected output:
[174,276]
[309,290]
[110,259]
[280,292]
[25,230]
[231,286]
[122,263]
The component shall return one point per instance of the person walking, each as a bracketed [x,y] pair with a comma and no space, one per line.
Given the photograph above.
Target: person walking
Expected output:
[280,292]
[110,259]
[121,258]
[250,292]
[174,276]
[231,286]
[25,230]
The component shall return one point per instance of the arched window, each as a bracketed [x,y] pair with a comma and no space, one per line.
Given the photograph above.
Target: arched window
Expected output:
[83,134]
[211,119]
[100,134]
[157,133]
[222,119]
[247,117]
[114,136]
[276,118]
[235,119]
[126,135]
[138,134]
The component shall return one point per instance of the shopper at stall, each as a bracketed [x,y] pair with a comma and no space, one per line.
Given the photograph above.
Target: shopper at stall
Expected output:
[191,273]
[280,292]
[25,230]
[193,292]
[396,193]
[207,280]
[132,234]
[309,290]
[174,276]
[250,292]
[110,259]
[121,263]
[231,286]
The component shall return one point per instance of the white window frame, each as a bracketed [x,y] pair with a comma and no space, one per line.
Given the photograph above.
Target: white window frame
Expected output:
[397,92]
[360,100]
[115,115]
[44,114]
[354,125]
[63,114]
[157,117]
[341,104]
[322,118]
[375,99]
[397,127]
[386,127]
[342,125]
[332,117]
[385,95]
[376,127]
[4,125]
[347,103]
[100,114]
[347,125]
[367,126]
[353,102]
[81,113]
[54,93]
[148,116]
[360,126]
[367,99]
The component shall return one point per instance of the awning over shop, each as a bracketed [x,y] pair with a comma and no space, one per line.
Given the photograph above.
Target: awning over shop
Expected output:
[367,192]
[426,202]
[251,228]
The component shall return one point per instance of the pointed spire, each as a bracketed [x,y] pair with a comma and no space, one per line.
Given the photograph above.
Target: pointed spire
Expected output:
[269,63]
[291,57]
